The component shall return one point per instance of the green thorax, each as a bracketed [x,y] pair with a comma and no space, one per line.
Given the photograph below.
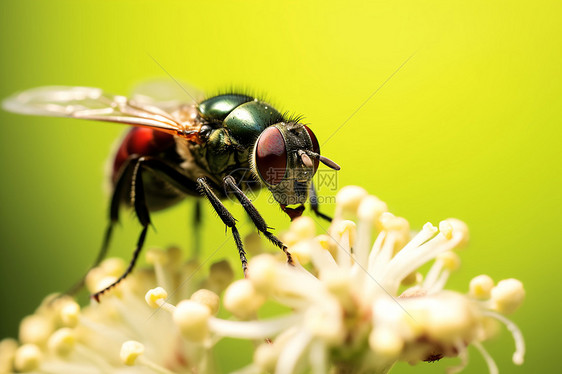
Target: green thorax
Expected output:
[231,124]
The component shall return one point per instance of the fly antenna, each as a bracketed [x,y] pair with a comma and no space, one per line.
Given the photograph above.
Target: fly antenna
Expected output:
[325,160]
[306,160]
[329,163]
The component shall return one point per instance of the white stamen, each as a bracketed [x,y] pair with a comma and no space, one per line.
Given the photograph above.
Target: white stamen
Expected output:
[292,353]
[432,274]
[318,357]
[519,354]
[492,367]
[463,355]
[253,330]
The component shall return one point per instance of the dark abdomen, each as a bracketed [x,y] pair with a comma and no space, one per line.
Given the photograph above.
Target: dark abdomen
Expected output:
[142,141]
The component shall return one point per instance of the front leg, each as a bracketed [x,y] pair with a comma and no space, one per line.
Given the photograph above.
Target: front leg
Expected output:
[226,218]
[313,197]
[256,217]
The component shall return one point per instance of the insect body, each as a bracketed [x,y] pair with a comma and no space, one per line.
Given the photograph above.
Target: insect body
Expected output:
[206,150]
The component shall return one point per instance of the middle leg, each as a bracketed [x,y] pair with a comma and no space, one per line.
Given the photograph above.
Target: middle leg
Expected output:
[226,218]
[255,216]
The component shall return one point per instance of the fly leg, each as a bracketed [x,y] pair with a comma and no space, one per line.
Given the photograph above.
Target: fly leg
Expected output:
[119,189]
[139,203]
[164,171]
[313,197]
[256,217]
[197,220]
[226,218]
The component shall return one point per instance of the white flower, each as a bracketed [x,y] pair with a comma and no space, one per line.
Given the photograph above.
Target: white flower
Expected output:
[355,313]
[356,302]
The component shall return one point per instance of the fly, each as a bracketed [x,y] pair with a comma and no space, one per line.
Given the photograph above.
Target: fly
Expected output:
[206,150]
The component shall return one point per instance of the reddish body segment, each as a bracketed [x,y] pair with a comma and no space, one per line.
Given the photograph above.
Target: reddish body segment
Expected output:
[141,141]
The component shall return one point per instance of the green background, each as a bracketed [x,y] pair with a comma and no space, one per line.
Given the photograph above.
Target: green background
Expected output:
[469,127]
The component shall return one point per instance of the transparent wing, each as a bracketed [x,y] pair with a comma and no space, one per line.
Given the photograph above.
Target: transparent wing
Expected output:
[95,104]
[166,94]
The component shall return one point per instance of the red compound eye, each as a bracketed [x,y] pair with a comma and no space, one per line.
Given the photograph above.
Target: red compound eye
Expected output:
[315,146]
[271,156]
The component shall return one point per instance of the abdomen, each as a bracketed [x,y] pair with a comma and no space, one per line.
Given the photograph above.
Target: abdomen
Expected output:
[140,141]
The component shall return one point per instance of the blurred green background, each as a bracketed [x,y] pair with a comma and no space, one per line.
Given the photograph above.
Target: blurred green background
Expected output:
[470,127]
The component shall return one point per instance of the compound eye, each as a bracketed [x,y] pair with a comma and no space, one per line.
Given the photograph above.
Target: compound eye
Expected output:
[315,146]
[271,156]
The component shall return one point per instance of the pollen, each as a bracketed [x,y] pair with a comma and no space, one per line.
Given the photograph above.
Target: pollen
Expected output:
[481,287]
[130,351]
[156,297]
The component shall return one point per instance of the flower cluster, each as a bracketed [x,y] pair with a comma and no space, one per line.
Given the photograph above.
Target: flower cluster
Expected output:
[355,302]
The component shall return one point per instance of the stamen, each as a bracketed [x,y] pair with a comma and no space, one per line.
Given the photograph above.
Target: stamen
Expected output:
[347,201]
[322,259]
[261,329]
[408,259]
[143,360]
[62,342]
[242,299]
[159,259]
[36,329]
[369,213]
[318,357]
[492,367]
[293,351]
[28,357]
[192,318]
[463,355]
[133,352]
[346,231]
[480,287]
[8,348]
[156,298]
[92,357]
[303,227]
[439,273]
[130,350]
[519,354]
[507,296]
[207,298]
[440,283]
[433,274]
[69,314]
[375,250]
[385,254]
